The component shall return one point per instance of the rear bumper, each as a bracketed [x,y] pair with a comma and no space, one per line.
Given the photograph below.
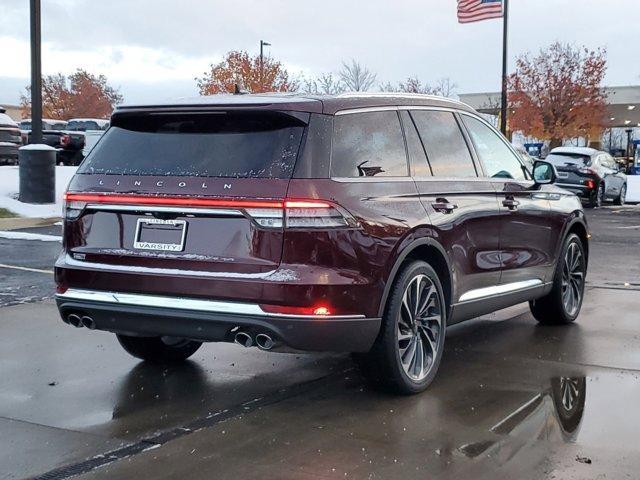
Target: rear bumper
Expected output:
[581,191]
[8,152]
[210,320]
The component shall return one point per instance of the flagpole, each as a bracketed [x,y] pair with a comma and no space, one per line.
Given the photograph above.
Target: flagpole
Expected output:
[503,98]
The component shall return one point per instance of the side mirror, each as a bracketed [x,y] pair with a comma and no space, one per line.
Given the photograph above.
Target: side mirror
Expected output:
[544,173]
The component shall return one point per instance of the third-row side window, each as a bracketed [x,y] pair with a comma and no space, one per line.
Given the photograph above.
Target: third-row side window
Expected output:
[368,144]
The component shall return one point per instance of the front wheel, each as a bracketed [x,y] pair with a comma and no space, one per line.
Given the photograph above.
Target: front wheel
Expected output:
[622,197]
[562,305]
[159,349]
[407,353]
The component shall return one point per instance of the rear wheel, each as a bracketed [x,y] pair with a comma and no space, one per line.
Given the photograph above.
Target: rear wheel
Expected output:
[562,305]
[623,195]
[159,349]
[597,198]
[408,350]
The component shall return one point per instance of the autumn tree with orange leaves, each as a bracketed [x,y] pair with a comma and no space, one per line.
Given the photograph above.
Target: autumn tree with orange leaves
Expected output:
[238,67]
[80,95]
[558,94]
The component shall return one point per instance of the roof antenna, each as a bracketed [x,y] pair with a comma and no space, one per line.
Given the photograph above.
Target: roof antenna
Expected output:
[238,89]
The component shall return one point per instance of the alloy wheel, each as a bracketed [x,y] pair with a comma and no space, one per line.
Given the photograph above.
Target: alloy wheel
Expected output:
[623,194]
[569,392]
[419,327]
[600,198]
[572,279]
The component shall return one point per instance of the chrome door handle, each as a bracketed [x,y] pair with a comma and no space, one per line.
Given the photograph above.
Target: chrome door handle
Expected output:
[443,205]
[511,203]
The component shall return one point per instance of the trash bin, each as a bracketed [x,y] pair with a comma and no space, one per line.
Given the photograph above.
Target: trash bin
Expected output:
[37,165]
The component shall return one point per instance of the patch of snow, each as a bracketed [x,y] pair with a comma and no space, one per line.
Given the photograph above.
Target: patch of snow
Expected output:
[29,236]
[38,146]
[9,186]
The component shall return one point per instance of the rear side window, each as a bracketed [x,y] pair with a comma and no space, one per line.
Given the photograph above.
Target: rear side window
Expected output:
[223,144]
[446,148]
[497,157]
[368,144]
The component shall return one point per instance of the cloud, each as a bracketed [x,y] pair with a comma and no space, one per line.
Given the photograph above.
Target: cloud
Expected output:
[150,41]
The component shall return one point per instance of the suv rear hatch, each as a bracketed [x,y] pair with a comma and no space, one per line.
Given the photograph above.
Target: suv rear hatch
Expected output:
[186,190]
[572,168]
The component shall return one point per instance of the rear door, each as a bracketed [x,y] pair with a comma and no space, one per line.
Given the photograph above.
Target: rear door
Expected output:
[612,179]
[525,225]
[461,205]
[189,191]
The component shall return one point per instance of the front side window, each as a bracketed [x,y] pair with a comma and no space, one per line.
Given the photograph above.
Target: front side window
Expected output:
[497,157]
[446,148]
[367,145]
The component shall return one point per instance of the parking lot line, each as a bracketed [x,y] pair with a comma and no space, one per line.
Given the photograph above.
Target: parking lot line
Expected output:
[26,269]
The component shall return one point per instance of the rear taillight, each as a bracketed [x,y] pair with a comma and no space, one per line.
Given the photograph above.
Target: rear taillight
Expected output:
[587,170]
[289,213]
[65,140]
[315,214]
[72,207]
[590,184]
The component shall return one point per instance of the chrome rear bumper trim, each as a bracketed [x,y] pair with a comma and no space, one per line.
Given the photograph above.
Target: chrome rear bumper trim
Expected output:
[182,303]
[164,209]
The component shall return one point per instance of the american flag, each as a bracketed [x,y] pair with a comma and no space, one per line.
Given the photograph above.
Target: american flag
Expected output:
[476,10]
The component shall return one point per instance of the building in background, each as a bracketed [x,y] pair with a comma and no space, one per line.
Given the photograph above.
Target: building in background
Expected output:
[14,111]
[623,114]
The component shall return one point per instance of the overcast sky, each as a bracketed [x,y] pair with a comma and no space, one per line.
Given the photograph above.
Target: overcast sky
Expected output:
[153,49]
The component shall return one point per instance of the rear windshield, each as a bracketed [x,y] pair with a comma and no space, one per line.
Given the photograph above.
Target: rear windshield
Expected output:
[223,144]
[568,159]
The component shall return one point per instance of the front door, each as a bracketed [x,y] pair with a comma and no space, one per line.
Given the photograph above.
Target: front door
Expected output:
[525,212]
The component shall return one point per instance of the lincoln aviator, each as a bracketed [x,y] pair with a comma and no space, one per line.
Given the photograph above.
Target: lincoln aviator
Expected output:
[362,223]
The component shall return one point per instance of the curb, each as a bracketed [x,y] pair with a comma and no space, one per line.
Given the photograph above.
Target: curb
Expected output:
[21,222]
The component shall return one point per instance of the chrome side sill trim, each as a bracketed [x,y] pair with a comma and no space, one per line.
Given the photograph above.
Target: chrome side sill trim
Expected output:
[181,303]
[498,290]
[164,209]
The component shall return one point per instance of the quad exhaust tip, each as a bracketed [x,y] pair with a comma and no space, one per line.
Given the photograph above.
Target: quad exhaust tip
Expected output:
[88,322]
[75,320]
[264,341]
[244,339]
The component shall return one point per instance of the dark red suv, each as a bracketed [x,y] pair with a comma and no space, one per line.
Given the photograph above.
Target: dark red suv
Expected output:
[357,223]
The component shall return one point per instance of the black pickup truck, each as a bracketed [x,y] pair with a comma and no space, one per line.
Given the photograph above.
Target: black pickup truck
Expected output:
[69,144]
[10,139]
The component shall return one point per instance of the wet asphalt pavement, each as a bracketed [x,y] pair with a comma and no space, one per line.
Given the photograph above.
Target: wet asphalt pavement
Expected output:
[72,402]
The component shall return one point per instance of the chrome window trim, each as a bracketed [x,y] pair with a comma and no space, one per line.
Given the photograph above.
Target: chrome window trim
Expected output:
[371,179]
[486,292]
[351,111]
[183,303]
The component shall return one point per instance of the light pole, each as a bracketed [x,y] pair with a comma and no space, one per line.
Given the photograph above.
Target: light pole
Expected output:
[36,74]
[262,45]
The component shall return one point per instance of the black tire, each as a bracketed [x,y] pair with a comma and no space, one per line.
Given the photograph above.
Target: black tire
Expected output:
[569,395]
[382,365]
[555,308]
[159,349]
[597,199]
[622,197]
